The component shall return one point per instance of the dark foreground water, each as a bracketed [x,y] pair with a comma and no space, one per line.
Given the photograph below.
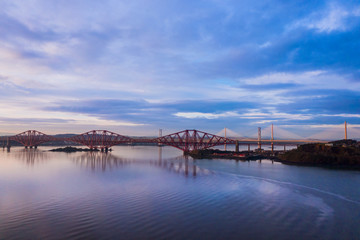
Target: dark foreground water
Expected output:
[155,193]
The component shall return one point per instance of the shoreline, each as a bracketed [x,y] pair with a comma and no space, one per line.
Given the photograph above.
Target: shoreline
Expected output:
[279,156]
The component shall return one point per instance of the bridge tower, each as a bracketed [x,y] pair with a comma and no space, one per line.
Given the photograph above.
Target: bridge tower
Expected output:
[345,130]
[225,137]
[259,138]
[8,145]
[160,135]
[272,137]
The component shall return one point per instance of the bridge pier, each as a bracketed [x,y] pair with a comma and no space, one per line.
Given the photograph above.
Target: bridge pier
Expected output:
[284,148]
[259,138]
[272,138]
[248,147]
[104,149]
[237,146]
[8,145]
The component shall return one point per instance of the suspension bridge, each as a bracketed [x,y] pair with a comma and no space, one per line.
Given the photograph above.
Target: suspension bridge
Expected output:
[186,140]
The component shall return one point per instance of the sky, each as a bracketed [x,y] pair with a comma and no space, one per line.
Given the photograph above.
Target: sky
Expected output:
[133,67]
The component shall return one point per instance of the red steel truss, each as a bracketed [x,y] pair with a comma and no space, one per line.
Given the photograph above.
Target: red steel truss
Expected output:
[189,140]
[100,139]
[186,140]
[32,138]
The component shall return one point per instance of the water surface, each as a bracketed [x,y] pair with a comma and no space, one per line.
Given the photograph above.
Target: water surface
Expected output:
[145,192]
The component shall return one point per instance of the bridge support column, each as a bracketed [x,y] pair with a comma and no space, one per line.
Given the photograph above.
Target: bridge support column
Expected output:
[259,138]
[237,146]
[345,130]
[248,147]
[160,135]
[272,138]
[8,145]
[225,142]
[284,148]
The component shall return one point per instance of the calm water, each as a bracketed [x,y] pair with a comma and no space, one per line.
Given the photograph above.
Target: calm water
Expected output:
[155,193]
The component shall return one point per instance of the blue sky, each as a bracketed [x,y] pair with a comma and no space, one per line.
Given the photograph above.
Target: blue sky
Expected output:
[136,66]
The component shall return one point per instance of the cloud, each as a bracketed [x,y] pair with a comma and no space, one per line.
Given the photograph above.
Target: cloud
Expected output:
[192,115]
[175,65]
[273,115]
[333,18]
[341,115]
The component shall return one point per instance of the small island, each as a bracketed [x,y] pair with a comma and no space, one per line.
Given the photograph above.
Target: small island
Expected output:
[342,154]
[73,149]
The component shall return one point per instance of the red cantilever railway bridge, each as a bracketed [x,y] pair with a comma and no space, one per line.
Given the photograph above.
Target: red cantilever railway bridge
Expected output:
[186,140]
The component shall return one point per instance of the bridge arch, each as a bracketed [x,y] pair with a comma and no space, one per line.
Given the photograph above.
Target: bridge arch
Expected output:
[188,140]
[102,139]
[32,138]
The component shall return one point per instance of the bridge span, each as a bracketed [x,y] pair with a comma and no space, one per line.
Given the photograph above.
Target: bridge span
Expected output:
[186,140]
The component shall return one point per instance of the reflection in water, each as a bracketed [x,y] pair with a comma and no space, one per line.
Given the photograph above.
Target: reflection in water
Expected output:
[100,160]
[107,161]
[31,156]
[142,198]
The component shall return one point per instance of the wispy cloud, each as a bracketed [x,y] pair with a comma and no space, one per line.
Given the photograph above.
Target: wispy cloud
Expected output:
[193,115]
[265,116]
[198,64]
[333,18]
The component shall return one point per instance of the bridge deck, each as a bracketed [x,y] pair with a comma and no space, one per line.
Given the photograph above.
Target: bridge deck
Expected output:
[186,140]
